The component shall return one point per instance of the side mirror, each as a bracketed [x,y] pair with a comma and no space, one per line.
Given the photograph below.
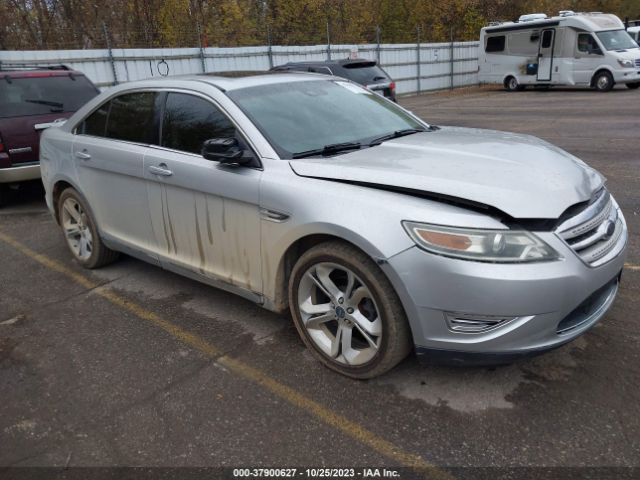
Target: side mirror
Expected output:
[223,150]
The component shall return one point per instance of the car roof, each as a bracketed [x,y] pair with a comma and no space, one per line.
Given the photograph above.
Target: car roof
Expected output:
[254,79]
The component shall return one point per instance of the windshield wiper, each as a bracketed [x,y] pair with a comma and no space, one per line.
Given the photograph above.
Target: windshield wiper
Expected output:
[45,102]
[329,149]
[396,134]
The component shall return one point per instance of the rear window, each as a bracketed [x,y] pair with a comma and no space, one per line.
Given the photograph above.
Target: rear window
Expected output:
[364,73]
[44,95]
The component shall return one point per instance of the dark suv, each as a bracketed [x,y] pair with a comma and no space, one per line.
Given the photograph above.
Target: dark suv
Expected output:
[32,98]
[362,71]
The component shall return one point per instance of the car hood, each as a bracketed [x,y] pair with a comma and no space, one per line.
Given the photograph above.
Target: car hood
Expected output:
[521,175]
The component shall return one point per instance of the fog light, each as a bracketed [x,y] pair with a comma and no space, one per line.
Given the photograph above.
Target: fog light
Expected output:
[470,323]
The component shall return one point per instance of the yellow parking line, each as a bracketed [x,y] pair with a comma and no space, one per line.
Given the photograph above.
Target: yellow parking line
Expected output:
[630,266]
[292,396]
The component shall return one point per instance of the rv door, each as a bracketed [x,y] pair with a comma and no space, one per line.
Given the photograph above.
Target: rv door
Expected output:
[545,54]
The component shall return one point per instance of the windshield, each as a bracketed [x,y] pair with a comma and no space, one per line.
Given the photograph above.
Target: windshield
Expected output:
[44,95]
[301,116]
[616,40]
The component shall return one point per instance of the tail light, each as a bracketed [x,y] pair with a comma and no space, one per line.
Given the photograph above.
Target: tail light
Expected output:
[392,87]
[1,145]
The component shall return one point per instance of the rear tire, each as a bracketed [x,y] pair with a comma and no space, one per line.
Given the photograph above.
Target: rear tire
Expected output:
[347,312]
[603,81]
[633,86]
[80,231]
[511,84]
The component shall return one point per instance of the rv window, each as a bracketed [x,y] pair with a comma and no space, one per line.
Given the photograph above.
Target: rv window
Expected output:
[547,38]
[495,44]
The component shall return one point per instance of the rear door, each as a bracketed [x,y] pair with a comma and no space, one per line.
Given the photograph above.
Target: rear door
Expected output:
[108,152]
[31,100]
[205,214]
[545,54]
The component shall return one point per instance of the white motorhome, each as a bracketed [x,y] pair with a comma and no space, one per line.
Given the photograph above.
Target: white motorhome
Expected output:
[582,49]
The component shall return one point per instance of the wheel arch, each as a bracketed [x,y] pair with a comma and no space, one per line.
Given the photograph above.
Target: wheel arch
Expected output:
[59,186]
[277,296]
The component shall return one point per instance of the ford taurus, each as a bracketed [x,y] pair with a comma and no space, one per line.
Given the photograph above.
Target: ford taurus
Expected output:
[381,233]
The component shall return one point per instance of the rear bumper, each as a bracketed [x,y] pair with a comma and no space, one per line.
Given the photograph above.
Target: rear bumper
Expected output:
[19,173]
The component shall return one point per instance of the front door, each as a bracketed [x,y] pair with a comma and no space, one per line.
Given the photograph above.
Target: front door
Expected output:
[205,214]
[109,158]
[545,54]
[587,59]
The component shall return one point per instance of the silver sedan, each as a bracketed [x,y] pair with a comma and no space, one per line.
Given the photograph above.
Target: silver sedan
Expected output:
[381,234]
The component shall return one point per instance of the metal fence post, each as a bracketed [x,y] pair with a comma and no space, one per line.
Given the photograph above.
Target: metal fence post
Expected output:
[111,60]
[418,73]
[202,61]
[378,43]
[451,56]
[328,41]
[269,47]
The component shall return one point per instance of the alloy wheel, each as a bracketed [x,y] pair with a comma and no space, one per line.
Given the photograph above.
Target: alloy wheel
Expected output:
[76,229]
[339,314]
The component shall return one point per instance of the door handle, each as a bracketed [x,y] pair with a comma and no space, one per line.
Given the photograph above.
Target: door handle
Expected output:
[83,155]
[161,170]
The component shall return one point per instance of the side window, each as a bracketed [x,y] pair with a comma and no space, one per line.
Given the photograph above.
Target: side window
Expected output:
[495,44]
[132,118]
[96,123]
[587,44]
[547,38]
[189,121]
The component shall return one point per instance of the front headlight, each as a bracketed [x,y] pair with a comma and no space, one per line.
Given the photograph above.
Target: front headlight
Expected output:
[626,63]
[504,246]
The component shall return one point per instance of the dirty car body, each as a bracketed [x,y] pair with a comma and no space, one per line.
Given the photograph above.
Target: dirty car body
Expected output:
[498,245]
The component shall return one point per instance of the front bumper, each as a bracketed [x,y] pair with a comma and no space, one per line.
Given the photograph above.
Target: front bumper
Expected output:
[19,173]
[539,296]
[627,75]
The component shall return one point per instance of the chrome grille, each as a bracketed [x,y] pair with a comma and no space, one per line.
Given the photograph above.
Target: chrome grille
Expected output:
[595,231]
[638,62]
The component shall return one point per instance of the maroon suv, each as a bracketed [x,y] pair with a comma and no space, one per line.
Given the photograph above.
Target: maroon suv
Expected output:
[31,99]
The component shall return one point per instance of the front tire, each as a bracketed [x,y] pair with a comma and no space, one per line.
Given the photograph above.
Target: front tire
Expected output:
[603,81]
[80,232]
[347,312]
[633,86]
